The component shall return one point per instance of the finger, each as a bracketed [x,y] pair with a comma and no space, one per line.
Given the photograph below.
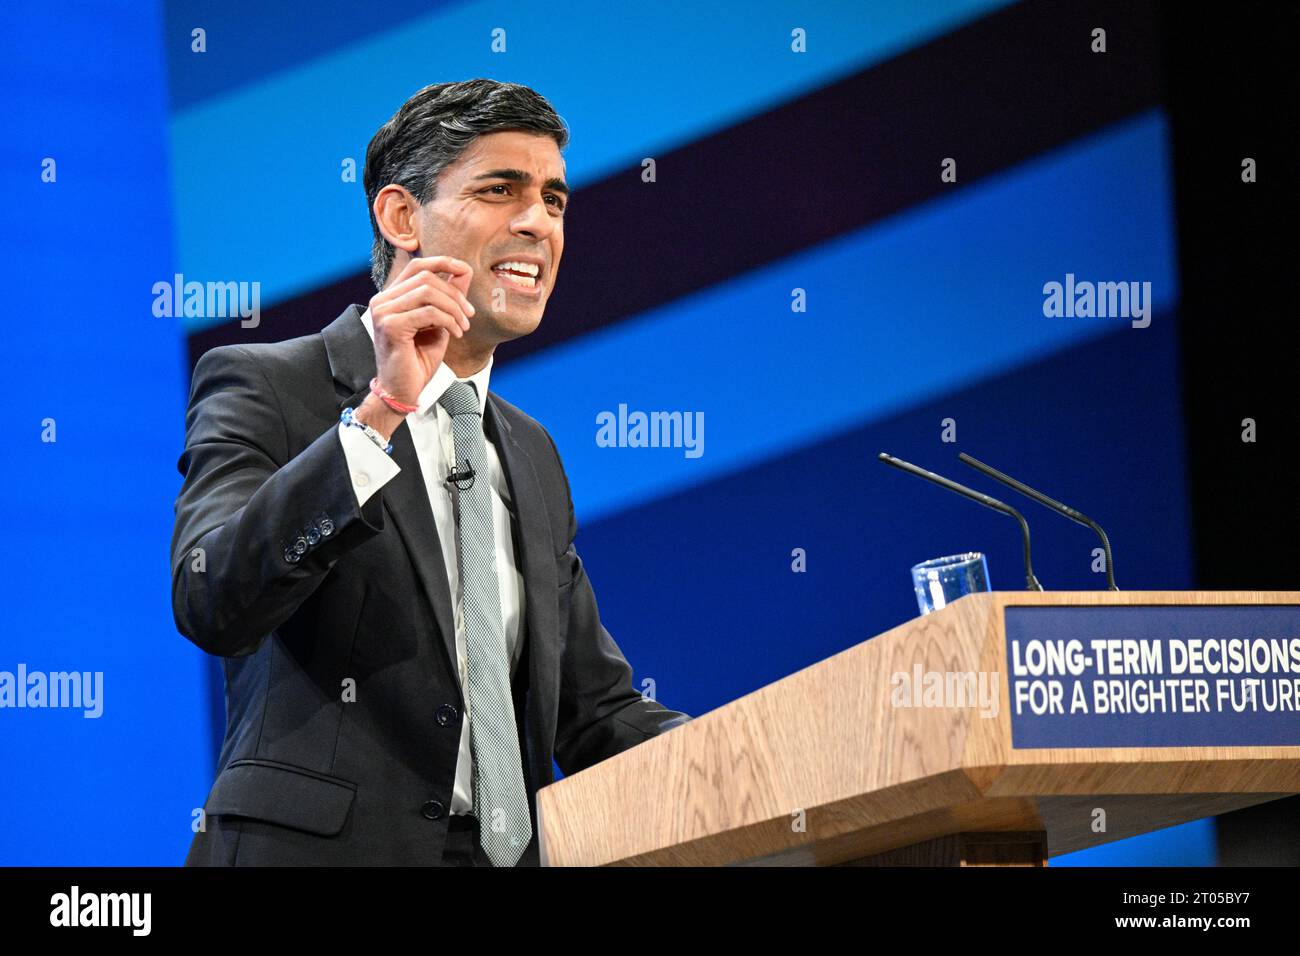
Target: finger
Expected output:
[424,318]
[435,264]
[441,334]
[434,295]
[399,290]
[422,290]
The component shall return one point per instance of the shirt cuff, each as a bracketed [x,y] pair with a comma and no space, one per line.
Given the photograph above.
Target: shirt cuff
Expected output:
[369,466]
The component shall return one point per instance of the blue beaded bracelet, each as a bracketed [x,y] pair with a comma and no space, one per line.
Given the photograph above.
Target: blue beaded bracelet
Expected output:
[347,419]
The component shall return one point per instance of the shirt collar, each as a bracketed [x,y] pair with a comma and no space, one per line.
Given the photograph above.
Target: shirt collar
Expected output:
[442,378]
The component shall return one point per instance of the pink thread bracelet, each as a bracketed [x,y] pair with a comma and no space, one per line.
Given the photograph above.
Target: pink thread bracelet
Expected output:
[389,400]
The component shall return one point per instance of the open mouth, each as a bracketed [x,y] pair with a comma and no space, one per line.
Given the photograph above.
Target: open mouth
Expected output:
[519,276]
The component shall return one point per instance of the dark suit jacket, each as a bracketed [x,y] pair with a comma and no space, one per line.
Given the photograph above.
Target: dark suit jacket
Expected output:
[277,570]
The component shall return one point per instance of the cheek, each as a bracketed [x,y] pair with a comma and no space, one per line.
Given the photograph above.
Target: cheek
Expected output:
[484,284]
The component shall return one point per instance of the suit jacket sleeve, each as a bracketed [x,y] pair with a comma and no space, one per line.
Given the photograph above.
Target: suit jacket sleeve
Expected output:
[256,530]
[600,712]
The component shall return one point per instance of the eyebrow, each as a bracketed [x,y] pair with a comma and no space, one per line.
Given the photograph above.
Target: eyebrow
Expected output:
[519,176]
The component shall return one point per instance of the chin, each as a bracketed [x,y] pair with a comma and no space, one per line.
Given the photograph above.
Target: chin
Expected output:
[527,320]
[518,324]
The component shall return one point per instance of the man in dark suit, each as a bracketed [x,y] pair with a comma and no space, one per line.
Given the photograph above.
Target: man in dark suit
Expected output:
[381,550]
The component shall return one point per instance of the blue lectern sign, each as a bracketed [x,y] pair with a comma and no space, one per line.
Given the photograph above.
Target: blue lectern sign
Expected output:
[1154,676]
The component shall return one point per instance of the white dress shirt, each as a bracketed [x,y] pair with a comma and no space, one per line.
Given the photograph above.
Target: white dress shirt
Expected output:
[431,432]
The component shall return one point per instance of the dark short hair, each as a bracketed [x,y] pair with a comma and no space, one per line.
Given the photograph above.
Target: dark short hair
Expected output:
[431,130]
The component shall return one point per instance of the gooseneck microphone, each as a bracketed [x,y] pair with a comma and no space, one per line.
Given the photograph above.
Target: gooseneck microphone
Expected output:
[1031,581]
[1052,503]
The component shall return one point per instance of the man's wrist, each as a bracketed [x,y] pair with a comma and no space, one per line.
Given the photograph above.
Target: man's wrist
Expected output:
[377,415]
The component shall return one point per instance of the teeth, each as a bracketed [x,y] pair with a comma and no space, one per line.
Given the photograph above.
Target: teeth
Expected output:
[528,282]
[526,267]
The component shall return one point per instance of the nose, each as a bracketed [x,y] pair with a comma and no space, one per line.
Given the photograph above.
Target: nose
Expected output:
[534,222]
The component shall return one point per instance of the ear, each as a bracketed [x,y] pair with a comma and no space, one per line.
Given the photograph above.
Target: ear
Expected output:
[395,211]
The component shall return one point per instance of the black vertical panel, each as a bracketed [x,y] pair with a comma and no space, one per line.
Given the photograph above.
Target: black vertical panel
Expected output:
[1231,95]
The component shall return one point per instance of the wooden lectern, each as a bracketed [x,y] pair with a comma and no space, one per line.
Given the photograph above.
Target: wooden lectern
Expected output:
[868,759]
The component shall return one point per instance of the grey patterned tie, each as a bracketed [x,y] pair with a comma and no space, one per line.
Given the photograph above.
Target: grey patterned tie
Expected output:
[500,799]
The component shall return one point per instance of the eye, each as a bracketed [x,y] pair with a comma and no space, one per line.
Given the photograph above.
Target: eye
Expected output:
[559,200]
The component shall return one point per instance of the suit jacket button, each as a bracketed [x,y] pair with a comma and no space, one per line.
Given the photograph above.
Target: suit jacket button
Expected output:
[292,556]
[445,714]
[326,526]
[300,545]
[313,535]
[432,810]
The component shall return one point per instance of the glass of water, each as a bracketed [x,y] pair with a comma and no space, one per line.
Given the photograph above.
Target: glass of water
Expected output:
[940,581]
